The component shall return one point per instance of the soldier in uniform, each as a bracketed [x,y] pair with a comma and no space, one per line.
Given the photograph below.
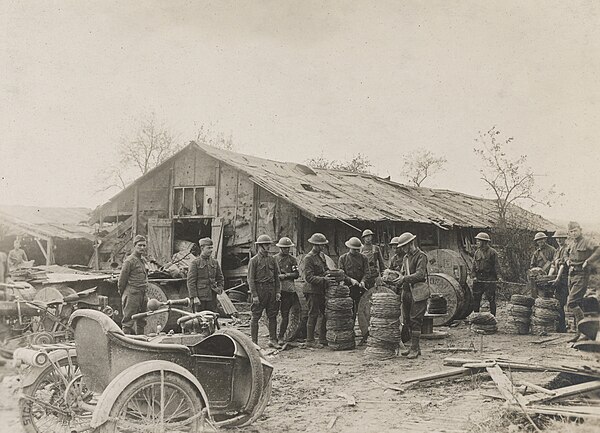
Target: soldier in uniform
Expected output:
[205,278]
[288,268]
[582,252]
[375,257]
[485,270]
[265,289]
[132,285]
[544,253]
[396,259]
[356,267]
[561,282]
[415,291]
[16,256]
[316,281]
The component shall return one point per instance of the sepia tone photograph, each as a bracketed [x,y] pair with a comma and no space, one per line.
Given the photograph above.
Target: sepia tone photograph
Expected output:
[299,216]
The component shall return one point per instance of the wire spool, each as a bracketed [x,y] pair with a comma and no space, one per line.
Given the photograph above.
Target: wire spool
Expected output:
[483,322]
[453,293]
[519,310]
[339,291]
[384,325]
[437,304]
[340,319]
[338,274]
[526,301]
[449,262]
[544,318]
[549,304]
[376,352]
[518,328]
[364,307]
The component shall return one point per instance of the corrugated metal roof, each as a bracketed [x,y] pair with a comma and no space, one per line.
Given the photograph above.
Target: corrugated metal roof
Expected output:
[351,196]
[66,223]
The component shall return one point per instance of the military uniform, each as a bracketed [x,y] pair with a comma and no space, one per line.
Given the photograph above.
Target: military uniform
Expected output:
[376,263]
[315,284]
[288,266]
[355,266]
[579,251]
[204,281]
[485,268]
[542,257]
[132,285]
[414,269]
[396,262]
[562,285]
[263,282]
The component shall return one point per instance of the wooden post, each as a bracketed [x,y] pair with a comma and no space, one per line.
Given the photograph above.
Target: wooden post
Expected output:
[136,204]
[50,251]
[42,249]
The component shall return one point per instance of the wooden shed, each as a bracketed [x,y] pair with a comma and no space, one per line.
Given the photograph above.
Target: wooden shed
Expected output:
[204,191]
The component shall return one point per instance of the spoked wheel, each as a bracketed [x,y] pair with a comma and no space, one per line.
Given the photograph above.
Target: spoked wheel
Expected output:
[157,402]
[44,405]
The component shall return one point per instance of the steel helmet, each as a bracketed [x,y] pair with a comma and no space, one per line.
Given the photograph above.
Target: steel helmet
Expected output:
[405,238]
[483,237]
[284,242]
[560,234]
[318,239]
[204,242]
[354,242]
[264,239]
[367,232]
[540,235]
[394,241]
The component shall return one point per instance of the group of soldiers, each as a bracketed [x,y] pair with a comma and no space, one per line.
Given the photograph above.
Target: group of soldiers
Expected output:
[272,288]
[569,264]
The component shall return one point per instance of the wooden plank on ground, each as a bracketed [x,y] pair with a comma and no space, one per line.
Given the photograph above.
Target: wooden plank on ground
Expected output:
[226,303]
[505,386]
[454,372]
[566,411]
[567,391]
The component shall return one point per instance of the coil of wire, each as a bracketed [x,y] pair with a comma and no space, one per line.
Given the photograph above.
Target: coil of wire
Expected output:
[338,311]
[384,326]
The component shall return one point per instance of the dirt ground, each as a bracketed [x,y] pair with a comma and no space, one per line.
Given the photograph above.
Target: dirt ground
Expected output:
[307,385]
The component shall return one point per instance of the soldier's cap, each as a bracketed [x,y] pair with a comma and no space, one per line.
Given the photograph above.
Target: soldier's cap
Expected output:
[284,242]
[138,238]
[483,237]
[263,239]
[405,238]
[573,225]
[354,243]
[540,235]
[318,239]
[367,232]
[394,241]
[560,234]
[204,242]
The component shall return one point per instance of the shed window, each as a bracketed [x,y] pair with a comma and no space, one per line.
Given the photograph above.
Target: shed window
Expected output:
[193,201]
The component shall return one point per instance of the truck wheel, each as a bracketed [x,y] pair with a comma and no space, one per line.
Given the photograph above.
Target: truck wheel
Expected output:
[158,394]
[43,406]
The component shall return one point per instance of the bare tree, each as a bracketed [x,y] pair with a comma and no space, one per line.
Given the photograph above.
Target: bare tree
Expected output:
[149,146]
[150,143]
[359,163]
[510,179]
[422,164]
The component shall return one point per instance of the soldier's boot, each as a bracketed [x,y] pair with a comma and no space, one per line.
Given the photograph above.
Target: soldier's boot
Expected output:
[310,332]
[273,333]
[578,314]
[405,350]
[254,331]
[415,349]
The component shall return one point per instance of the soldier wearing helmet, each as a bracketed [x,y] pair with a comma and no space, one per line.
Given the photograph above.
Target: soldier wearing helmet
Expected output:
[415,291]
[543,254]
[485,273]
[375,257]
[316,281]
[132,285]
[265,289]
[561,282]
[356,267]
[205,278]
[583,252]
[396,259]
[288,268]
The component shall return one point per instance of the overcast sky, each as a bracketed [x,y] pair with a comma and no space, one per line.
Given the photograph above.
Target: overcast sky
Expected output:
[292,80]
